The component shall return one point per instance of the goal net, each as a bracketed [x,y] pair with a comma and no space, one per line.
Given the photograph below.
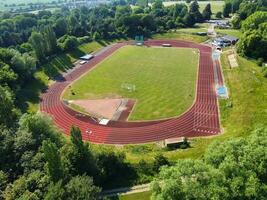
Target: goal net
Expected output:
[128,87]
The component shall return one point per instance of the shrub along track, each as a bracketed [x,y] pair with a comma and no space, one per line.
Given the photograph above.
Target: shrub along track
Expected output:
[202,119]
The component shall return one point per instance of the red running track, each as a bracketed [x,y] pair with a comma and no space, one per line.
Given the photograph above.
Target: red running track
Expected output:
[202,119]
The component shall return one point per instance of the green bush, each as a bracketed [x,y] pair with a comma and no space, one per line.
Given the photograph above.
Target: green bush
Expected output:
[265,73]
[218,15]
[260,62]
[83,40]
[68,43]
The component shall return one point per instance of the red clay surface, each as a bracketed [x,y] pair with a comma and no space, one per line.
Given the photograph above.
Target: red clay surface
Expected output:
[202,119]
[105,108]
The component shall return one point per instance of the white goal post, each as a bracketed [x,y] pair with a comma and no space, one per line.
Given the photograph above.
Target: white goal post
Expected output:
[128,86]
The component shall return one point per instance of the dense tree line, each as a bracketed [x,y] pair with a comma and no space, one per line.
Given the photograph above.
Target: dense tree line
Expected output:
[251,18]
[241,9]
[253,42]
[233,169]
[36,162]
[114,20]
[30,40]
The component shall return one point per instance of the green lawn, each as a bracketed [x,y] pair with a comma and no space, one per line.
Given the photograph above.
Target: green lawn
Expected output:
[233,32]
[17,2]
[164,79]
[216,6]
[183,34]
[136,196]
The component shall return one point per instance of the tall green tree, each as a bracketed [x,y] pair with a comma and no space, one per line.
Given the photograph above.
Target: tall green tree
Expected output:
[3,183]
[189,20]
[157,5]
[7,75]
[235,169]
[253,21]
[207,12]
[38,44]
[50,40]
[8,111]
[55,191]
[227,9]
[77,157]
[194,10]
[81,188]
[52,157]
[60,27]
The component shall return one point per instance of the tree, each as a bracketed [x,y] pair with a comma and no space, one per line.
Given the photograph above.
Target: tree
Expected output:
[77,158]
[7,75]
[24,65]
[82,188]
[53,161]
[252,44]
[68,43]
[55,191]
[138,10]
[189,179]
[157,5]
[246,9]
[40,127]
[254,40]
[178,10]
[38,44]
[234,169]
[254,21]
[60,27]
[3,183]
[122,11]
[7,159]
[194,11]
[8,111]
[31,186]
[160,161]
[219,15]
[207,12]
[189,20]
[227,9]
[50,40]
[235,21]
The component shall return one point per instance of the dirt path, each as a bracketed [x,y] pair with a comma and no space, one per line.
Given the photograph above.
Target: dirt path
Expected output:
[126,190]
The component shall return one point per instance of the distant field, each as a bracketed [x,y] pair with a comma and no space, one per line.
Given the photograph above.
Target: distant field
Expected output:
[184,34]
[164,78]
[9,2]
[216,6]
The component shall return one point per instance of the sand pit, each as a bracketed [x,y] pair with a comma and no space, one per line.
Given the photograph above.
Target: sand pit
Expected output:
[103,108]
[232,61]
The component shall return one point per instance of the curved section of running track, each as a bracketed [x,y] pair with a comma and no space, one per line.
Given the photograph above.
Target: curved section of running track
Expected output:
[202,119]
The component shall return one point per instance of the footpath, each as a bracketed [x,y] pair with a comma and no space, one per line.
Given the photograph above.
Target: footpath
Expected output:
[126,190]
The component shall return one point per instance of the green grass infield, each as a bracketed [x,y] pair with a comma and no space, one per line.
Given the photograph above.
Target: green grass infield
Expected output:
[164,80]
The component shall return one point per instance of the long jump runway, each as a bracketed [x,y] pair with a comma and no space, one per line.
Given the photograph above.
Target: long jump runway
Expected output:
[202,119]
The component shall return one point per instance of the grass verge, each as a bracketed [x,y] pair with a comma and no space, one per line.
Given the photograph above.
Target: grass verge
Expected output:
[44,76]
[233,32]
[134,196]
